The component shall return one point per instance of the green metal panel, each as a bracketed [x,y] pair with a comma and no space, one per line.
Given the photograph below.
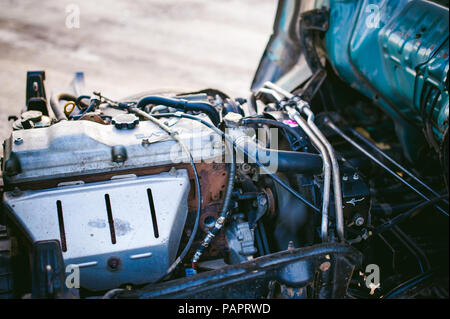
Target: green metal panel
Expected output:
[396,53]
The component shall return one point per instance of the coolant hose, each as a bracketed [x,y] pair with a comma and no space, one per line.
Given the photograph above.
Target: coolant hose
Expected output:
[256,120]
[203,107]
[283,161]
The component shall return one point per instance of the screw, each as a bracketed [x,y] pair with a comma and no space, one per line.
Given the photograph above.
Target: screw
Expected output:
[359,221]
[262,201]
[246,167]
[355,176]
[173,171]
[18,140]
[345,178]
[145,142]
[113,263]
[291,245]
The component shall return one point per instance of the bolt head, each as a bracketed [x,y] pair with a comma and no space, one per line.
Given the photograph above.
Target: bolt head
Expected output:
[291,245]
[359,221]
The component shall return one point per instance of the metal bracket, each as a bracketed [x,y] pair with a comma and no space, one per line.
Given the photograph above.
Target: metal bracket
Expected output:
[36,98]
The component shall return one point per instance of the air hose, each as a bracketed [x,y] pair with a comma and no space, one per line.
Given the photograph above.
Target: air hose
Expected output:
[181,104]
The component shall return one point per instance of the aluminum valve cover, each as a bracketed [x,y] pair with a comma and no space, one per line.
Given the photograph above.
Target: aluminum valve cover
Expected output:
[76,148]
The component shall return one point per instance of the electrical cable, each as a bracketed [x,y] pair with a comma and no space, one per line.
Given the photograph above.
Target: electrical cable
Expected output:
[175,136]
[399,218]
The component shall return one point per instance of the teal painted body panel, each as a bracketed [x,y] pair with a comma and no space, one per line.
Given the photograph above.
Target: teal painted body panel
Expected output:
[396,53]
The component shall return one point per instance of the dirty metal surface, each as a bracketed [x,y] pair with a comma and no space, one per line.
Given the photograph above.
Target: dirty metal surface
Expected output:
[116,219]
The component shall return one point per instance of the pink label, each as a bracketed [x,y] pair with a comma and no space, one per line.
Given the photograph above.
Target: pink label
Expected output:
[291,123]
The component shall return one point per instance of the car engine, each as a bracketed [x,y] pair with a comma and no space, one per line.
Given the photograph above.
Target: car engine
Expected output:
[330,180]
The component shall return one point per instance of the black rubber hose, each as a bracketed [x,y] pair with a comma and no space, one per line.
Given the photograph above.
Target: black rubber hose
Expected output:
[293,132]
[285,161]
[79,102]
[90,108]
[203,107]
[222,216]
[246,153]
[230,185]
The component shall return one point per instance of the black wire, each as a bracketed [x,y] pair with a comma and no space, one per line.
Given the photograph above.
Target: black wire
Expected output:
[79,101]
[225,212]
[399,218]
[407,284]
[198,192]
[91,107]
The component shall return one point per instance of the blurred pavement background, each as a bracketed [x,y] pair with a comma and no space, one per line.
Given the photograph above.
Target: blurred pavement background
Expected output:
[126,47]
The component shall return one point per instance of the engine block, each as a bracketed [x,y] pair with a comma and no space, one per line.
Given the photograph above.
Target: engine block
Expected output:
[117,198]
